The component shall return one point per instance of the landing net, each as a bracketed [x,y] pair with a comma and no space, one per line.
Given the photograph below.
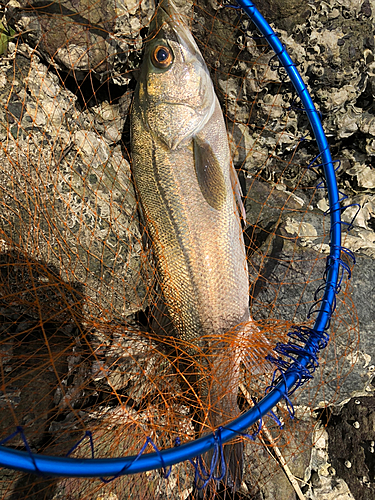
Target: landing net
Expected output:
[82,375]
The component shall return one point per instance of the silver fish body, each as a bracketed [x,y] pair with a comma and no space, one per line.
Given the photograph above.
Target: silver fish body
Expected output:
[184,179]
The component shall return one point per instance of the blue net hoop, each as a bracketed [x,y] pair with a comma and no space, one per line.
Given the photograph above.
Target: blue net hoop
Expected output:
[293,374]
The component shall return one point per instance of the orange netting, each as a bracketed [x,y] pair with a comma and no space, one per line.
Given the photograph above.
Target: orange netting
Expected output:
[77,351]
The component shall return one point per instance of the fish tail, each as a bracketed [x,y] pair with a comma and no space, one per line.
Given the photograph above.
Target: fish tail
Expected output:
[233,457]
[233,470]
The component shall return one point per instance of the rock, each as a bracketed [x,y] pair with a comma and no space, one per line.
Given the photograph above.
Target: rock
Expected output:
[366,178]
[321,474]
[76,197]
[284,13]
[350,445]
[102,37]
[267,479]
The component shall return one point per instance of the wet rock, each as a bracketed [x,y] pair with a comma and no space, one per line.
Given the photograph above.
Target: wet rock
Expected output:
[320,476]
[351,445]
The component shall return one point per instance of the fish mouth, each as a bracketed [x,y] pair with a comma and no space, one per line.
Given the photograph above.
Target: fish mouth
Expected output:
[168,17]
[166,13]
[168,7]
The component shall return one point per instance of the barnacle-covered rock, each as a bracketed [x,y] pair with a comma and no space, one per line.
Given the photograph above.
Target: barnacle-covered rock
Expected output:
[320,475]
[101,36]
[285,12]
[67,198]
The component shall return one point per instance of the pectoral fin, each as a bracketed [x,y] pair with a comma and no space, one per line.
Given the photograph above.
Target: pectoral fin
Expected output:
[209,174]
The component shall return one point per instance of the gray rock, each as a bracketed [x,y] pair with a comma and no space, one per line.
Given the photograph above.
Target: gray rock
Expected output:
[102,37]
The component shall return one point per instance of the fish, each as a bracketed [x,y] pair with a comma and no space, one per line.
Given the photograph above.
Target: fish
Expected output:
[190,202]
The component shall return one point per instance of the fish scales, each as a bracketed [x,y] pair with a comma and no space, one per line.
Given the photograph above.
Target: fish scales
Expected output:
[199,251]
[184,180]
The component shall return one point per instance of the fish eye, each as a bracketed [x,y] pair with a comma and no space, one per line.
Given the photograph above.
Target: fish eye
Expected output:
[162,57]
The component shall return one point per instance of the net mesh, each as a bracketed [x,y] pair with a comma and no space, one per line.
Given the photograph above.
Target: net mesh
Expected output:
[77,351]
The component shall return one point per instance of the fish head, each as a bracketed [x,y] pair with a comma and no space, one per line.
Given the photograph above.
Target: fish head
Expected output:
[175,94]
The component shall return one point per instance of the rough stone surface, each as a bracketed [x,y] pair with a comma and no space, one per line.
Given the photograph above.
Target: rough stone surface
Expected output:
[89,35]
[320,476]
[351,438]
[75,196]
